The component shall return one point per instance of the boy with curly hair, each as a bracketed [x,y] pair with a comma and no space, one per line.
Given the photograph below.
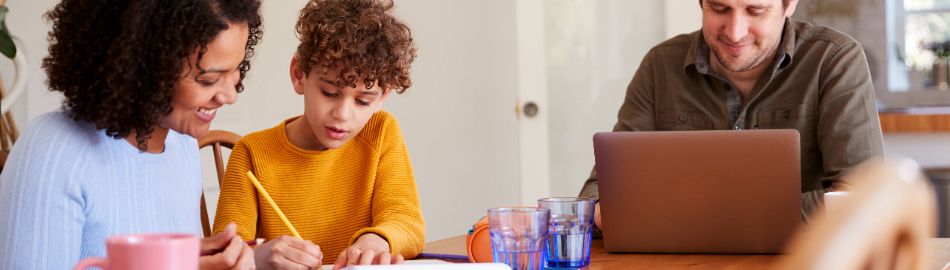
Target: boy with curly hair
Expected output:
[340,172]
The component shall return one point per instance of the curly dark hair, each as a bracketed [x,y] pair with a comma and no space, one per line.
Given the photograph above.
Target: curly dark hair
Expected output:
[117,62]
[361,36]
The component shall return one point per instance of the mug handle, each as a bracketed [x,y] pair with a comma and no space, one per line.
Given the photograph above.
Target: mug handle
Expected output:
[92,261]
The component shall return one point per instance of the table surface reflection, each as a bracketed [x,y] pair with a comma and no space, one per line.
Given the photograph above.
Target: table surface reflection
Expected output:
[600,259]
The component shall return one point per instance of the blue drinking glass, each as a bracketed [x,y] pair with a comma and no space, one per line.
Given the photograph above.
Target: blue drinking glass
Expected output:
[518,235]
[569,231]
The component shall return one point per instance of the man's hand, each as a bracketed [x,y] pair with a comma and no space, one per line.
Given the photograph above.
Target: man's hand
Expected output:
[597,215]
[369,249]
[226,251]
[288,252]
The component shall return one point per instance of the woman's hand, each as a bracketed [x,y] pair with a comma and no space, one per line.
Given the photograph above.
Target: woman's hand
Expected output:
[369,249]
[288,252]
[226,250]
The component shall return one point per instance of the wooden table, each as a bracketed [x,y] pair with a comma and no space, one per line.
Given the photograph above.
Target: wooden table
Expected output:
[600,259]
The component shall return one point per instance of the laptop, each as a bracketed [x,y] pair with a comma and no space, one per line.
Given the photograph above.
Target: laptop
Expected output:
[714,191]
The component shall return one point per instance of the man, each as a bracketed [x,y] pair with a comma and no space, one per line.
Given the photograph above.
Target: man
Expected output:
[752,67]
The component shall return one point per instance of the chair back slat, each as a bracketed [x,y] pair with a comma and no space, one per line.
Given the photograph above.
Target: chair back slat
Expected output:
[205,223]
[3,160]
[218,162]
[216,139]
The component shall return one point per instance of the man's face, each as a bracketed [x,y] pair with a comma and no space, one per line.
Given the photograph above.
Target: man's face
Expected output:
[743,33]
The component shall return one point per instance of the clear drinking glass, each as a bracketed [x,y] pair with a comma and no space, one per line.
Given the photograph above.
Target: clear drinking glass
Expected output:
[569,231]
[518,235]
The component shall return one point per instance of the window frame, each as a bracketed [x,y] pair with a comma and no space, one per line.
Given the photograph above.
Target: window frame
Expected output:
[893,96]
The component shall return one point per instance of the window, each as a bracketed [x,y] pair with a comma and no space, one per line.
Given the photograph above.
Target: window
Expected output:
[922,41]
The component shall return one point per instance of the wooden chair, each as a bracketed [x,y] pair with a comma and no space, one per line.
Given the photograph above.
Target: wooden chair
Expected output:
[216,139]
[3,160]
[884,223]
[8,129]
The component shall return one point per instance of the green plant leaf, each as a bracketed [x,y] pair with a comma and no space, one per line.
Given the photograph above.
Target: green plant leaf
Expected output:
[6,43]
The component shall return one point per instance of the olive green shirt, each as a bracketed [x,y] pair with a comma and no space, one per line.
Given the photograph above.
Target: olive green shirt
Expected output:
[818,83]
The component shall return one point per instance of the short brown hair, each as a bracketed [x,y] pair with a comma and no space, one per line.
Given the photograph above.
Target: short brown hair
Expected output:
[361,36]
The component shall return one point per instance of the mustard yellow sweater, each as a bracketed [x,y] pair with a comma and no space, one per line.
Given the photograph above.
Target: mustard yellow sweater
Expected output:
[331,197]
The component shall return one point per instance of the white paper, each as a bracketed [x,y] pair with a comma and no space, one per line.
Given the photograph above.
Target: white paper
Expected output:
[428,265]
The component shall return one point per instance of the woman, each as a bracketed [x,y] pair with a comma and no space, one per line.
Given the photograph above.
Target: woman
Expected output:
[141,80]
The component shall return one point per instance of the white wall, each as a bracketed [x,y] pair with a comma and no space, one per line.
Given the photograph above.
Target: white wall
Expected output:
[594,47]
[682,17]
[458,118]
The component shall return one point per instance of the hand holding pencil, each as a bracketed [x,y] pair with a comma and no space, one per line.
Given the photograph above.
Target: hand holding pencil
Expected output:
[276,253]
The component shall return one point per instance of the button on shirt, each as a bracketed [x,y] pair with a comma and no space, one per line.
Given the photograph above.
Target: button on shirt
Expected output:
[818,83]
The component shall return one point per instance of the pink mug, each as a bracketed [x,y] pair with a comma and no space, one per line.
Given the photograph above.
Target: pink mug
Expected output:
[152,251]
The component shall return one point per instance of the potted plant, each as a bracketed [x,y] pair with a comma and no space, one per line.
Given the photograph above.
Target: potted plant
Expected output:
[7,47]
[940,74]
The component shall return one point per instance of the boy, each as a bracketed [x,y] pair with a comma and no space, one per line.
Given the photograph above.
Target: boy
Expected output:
[339,172]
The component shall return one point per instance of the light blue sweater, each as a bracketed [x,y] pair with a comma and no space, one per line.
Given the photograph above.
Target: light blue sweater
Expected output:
[66,187]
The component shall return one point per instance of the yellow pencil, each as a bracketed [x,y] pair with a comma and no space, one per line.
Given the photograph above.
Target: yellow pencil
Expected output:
[272,204]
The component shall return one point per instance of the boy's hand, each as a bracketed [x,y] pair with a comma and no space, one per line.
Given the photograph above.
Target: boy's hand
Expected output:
[369,249]
[226,251]
[288,252]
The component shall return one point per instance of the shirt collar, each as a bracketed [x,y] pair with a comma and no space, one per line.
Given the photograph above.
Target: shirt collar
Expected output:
[698,54]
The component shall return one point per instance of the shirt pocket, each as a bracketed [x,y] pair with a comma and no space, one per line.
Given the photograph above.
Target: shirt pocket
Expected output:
[800,117]
[673,120]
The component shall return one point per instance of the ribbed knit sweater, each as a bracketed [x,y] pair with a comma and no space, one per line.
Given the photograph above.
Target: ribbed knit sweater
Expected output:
[66,187]
[331,197]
